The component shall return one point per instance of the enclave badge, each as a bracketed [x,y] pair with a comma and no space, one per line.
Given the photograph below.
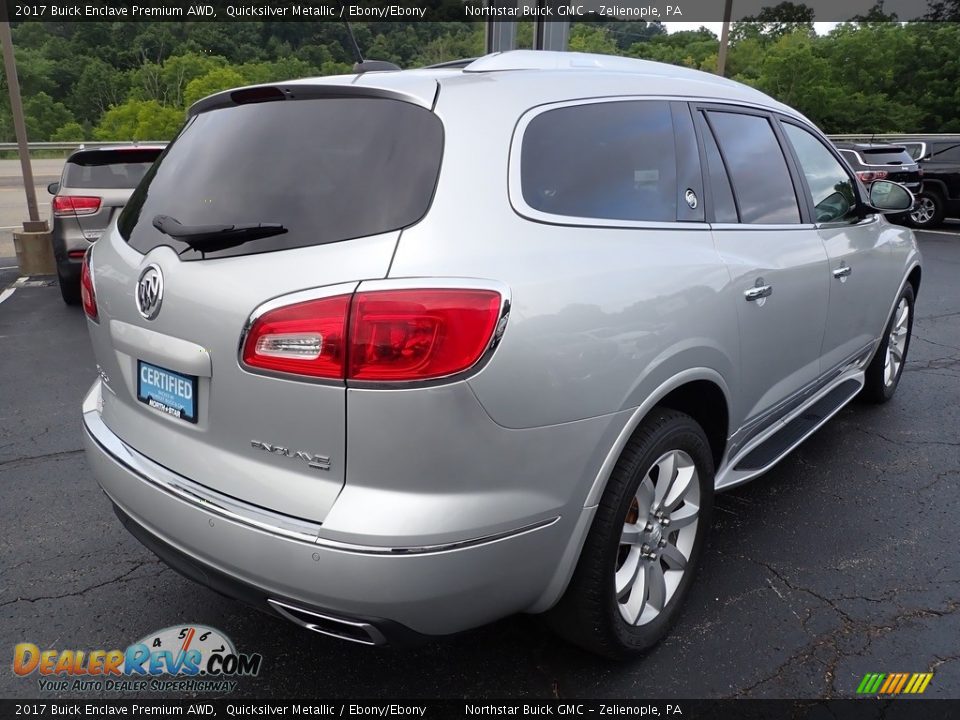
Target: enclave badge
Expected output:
[150,292]
[317,462]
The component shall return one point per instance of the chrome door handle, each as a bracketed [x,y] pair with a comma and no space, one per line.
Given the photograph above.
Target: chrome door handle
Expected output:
[842,272]
[760,291]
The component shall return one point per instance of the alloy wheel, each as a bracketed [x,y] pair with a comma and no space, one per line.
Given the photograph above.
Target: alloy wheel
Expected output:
[658,537]
[924,211]
[896,343]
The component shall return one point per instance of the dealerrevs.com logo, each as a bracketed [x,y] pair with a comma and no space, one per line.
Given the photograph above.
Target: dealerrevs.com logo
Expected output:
[184,658]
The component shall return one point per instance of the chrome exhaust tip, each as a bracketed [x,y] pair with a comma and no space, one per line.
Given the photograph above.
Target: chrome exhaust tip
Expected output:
[350,630]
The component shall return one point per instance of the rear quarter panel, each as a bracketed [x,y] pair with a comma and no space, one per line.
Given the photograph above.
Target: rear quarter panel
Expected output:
[600,317]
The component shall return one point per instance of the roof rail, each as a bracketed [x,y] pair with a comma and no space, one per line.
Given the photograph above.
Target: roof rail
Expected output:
[551,60]
[452,64]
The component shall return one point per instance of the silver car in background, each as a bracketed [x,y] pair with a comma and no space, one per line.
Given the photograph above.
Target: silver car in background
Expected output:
[401,353]
[94,186]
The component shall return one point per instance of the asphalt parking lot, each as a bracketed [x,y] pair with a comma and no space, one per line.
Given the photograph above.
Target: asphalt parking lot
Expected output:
[840,562]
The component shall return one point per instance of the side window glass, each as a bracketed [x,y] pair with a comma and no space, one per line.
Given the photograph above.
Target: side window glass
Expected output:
[831,188]
[946,152]
[757,168]
[612,160]
[724,207]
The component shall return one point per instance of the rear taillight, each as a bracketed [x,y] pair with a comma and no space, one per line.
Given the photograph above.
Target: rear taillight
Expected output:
[87,295]
[383,336]
[302,339]
[868,176]
[66,205]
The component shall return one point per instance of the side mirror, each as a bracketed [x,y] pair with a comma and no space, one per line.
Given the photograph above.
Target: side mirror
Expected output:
[889,197]
[53,188]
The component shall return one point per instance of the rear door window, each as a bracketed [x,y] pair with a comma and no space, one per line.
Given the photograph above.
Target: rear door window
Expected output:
[605,160]
[946,152]
[108,169]
[757,168]
[326,169]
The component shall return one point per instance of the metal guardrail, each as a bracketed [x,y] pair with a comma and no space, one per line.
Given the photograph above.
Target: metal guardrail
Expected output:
[12,147]
[892,136]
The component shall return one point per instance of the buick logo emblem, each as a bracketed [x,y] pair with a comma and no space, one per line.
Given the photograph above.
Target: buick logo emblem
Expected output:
[150,292]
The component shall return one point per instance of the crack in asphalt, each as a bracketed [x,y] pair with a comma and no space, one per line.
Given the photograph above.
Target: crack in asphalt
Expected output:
[880,435]
[125,577]
[27,459]
[947,363]
[849,626]
[914,336]
[58,556]
[938,317]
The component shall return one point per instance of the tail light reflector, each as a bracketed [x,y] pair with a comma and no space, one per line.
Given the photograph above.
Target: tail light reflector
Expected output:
[67,205]
[87,295]
[383,335]
[868,176]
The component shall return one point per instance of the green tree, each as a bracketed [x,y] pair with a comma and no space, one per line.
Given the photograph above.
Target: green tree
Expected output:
[97,88]
[139,120]
[772,23]
[584,38]
[214,81]
[70,132]
[43,115]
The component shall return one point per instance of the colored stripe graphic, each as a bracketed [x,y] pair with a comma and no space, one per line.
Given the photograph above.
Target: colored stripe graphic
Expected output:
[894,683]
[891,679]
[902,681]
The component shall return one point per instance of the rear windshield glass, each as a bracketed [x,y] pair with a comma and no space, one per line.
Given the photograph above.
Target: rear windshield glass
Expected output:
[886,156]
[325,169]
[110,169]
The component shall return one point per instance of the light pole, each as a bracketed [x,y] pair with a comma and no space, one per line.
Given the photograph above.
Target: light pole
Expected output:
[34,251]
[724,38]
[16,108]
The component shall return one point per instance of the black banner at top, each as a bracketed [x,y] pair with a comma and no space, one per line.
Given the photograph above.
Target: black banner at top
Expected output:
[461,10]
[866,709]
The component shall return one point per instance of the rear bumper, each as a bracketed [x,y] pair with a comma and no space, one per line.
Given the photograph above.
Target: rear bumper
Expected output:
[66,235]
[401,592]
[365,630]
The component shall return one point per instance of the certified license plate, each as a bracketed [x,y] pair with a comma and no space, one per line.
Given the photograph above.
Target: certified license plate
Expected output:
[169,392]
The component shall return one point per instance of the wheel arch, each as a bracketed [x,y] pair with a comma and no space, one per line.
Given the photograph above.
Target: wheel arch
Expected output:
[914,279]
[685,392]
[935,185]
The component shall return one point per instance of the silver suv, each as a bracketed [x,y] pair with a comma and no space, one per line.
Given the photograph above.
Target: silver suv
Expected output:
[401,353]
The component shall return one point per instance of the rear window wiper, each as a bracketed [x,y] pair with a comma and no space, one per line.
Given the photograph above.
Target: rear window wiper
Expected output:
[207,238]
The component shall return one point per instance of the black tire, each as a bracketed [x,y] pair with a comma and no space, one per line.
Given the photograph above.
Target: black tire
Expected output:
[879,388]
[588,614]
[932,213]
[69,286]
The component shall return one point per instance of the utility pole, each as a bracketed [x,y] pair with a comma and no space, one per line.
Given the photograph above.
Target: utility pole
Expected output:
[16,108]
[34,251]
[724,38]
